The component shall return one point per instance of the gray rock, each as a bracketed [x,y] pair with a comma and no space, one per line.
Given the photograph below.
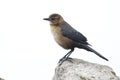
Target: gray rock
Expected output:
[1,79]
[83,70]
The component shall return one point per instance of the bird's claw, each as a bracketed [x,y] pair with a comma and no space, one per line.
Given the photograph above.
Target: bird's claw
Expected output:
[65,59]
[62,59]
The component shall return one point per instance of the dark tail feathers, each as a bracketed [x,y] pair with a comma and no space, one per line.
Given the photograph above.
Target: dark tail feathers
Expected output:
[86,47]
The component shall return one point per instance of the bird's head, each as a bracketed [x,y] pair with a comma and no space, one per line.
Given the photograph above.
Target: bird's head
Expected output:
[55,19]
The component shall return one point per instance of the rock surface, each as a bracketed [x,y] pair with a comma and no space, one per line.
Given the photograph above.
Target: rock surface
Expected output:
[83,70]
[1,79]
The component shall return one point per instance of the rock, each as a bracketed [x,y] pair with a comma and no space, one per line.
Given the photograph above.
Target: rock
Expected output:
[1,79]
[83,70]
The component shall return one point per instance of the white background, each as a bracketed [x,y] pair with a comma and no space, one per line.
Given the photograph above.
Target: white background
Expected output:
[27,48]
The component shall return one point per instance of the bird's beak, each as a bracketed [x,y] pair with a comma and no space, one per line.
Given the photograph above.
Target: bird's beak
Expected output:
[48,19]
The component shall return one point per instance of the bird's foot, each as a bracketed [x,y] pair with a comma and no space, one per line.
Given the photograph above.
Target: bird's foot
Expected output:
[62,59]
[65,59]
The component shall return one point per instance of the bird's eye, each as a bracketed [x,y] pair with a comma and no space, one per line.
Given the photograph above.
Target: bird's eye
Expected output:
[53,19]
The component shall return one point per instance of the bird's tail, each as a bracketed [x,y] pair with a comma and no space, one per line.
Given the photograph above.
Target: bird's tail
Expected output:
[88,48]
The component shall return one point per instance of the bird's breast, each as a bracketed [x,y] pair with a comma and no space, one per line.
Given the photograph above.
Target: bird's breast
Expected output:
[60,39]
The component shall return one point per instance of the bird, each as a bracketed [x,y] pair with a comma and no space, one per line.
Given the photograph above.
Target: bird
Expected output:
[68,37]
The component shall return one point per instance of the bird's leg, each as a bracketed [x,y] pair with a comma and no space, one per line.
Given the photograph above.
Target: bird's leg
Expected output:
[66,57]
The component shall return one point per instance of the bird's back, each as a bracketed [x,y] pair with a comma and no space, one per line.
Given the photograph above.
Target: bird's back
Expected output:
[71,33]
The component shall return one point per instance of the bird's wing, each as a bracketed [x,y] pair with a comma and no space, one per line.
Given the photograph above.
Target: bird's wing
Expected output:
[73,34]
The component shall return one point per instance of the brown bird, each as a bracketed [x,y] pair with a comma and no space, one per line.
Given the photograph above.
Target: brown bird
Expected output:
[67,37]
